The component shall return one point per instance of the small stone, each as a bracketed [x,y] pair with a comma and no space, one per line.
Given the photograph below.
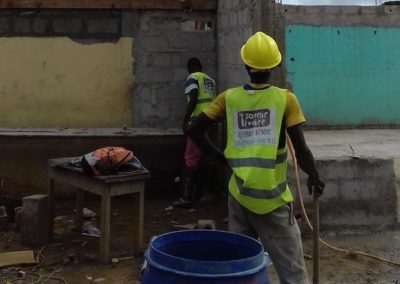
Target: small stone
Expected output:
[205,224]
[184,227]
[87,213]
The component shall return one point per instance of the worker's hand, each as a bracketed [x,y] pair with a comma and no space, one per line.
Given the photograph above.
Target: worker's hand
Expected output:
[314,184]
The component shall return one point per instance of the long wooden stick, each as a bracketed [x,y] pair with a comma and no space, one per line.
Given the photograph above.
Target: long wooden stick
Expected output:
[315,238]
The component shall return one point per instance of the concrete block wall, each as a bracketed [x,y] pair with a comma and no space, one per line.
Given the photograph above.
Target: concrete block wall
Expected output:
[324,48]
[88,25]
[160,151]
[360,195]
[237,20]
[164,42]
[396,167]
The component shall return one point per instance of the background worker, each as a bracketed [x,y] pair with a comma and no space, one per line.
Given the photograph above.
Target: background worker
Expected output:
[200,91]
[258,116]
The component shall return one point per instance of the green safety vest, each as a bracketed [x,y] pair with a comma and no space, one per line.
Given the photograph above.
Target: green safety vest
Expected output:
[254,120]
[206,92]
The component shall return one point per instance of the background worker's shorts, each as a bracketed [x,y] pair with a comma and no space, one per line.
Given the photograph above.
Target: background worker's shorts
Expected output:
[192,154]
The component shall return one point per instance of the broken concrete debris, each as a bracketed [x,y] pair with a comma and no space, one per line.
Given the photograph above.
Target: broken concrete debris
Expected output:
[201,224]
[35,220]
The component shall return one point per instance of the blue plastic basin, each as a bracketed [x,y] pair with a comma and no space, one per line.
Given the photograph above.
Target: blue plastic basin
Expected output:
[205,256]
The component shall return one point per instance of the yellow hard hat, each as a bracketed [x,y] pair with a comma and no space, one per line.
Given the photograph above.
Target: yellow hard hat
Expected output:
[261,52]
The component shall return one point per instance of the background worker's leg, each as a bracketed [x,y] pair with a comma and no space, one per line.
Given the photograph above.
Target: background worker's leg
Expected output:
[207,181]
[192,160]
[280,236]
[187,188]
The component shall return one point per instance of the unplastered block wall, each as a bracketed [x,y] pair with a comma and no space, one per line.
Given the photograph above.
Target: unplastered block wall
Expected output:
[66,68]
[237,20]
[165,41]
[342,62]
[397,186]
[361,194]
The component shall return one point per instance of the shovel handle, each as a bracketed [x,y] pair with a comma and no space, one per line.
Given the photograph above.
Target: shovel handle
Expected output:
[315,237]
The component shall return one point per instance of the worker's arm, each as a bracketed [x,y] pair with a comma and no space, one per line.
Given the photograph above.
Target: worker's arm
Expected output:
[305,159]
[197,130]
[193,95]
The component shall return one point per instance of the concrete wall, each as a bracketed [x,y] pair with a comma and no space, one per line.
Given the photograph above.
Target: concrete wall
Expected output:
[237,20]
[28,151]
[361,194]
[165,41]
[342,63]
[100,68]
[347,57]
[92,69]
[65,69]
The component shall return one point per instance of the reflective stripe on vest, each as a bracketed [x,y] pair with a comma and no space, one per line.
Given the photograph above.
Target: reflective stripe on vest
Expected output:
[254,120]
[261,194]
[257,162]
[206,92]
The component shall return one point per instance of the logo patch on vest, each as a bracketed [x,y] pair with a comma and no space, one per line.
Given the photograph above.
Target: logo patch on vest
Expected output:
[254,127]
[208,86]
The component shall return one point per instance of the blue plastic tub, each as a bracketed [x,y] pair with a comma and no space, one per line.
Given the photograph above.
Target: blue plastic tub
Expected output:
[205,256]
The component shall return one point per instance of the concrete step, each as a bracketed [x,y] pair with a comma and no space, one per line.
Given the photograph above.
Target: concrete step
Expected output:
[361,169]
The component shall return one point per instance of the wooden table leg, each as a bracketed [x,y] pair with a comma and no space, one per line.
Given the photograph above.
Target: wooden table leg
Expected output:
[138,214]
[79,208]
[105,227]
[50,193]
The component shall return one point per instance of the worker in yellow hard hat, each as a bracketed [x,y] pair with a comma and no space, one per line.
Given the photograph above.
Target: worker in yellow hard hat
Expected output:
[258,116]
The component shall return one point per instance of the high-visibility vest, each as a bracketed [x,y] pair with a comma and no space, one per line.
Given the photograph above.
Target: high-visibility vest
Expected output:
[254,120]
[206,92]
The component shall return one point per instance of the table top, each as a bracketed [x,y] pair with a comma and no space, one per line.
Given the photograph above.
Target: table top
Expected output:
[72,164]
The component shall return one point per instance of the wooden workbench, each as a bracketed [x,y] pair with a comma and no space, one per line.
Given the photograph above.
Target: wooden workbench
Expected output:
[62,170]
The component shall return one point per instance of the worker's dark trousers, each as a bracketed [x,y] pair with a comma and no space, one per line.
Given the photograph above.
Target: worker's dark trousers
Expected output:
[188,190]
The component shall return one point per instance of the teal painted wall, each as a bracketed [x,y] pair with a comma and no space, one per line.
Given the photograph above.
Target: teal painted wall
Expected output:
[345,75]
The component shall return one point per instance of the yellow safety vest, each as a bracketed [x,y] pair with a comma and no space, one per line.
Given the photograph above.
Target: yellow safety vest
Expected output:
[206,92]
[254,120]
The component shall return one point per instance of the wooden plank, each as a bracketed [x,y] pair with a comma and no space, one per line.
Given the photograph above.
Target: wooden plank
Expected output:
[16,258]
[80,195]
[126,187]
[50,193]
[138,212]
[111,4]
[105,227]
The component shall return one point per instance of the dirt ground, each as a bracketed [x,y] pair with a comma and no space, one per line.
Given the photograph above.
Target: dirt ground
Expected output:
[72,256]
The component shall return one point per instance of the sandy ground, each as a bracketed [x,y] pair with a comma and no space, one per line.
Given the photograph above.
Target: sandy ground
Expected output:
[73,256]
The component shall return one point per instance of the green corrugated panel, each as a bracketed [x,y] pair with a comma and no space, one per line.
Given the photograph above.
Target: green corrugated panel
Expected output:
[345,75]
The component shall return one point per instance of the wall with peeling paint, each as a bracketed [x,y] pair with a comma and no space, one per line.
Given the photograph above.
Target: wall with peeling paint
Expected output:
[57,82]
[87,69]
[342,62]
[345,75]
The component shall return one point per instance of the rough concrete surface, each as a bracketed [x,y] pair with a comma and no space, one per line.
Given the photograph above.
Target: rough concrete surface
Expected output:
[361,171]
[367,143]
